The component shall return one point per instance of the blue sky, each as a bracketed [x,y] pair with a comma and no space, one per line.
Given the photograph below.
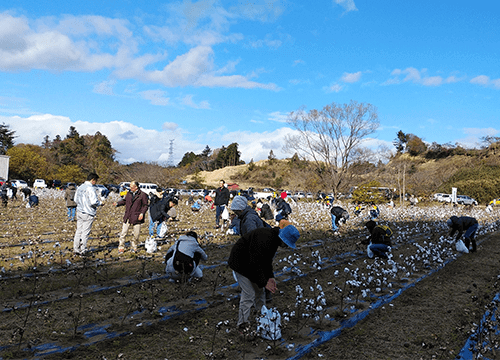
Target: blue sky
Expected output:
[217,72]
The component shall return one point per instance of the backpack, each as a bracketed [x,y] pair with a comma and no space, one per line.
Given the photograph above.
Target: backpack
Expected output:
[387,230]
[183,263]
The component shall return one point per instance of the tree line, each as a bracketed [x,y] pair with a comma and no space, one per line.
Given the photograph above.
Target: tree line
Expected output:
[331,140]
[70,159]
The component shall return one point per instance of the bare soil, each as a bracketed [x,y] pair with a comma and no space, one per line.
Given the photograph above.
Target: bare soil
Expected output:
[107,306]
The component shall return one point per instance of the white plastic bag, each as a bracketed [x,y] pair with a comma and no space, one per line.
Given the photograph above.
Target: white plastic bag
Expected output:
[461,247]
[269,326]
[150,245]
[369,251]
[225,214]
[163,229]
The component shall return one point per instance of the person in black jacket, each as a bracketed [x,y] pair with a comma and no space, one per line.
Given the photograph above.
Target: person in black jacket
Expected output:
[154,198]
[220,201]
[266,213]
[461,224]
[379,241]
[338,213]
[283,208]
[251,260]
[160,212]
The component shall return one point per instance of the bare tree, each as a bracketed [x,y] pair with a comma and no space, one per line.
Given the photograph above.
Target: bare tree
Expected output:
[331,138]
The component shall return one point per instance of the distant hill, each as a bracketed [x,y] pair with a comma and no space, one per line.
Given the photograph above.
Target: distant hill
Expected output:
[474,172]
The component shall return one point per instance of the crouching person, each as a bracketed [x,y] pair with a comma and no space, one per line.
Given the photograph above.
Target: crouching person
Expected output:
[462,224]
[183,258]
[379,241]
[338,214]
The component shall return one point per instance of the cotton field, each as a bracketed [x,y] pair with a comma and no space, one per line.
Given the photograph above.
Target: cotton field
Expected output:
[326,285]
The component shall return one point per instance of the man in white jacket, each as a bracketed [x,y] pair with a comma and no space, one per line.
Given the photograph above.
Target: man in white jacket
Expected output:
[190,251]
[87,202]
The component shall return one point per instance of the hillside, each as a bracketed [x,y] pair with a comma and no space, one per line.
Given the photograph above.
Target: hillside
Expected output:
[474,173]
[229,174]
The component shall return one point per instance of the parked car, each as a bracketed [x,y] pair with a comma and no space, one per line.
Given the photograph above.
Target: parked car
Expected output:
[444,198]
[19,183]
[55,184]
[437,196]
[466,200]
[39,184]
[184,192]
[299,195]
[148,188]
[172,191]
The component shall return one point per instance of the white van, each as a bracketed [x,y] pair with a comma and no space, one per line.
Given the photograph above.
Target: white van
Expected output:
[148,188]
[39,184]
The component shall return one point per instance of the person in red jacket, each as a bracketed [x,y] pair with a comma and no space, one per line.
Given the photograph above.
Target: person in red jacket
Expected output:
[136,205]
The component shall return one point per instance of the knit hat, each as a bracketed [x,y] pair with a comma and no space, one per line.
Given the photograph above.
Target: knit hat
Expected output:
[239,203]
[449,222]
[289,234]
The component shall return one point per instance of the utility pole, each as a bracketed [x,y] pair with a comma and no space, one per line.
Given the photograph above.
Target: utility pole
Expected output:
[171,153]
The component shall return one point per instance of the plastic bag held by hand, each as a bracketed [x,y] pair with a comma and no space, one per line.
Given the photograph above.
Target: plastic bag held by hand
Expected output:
[225,214]
[269,326]
[461,247]
[369,252]
[150,245]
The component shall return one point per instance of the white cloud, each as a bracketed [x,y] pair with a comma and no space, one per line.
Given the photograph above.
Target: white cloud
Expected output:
[278,117]
[420,77]
[257,146]
[93,43]
[480,132]
[348,5]
[333,88]
[432,81]
[156,97]
[105,87]
[480,80]
[135,143]
[268,41]
[299,82]
[351,77]
[188,101]
[486,81]
[169,126]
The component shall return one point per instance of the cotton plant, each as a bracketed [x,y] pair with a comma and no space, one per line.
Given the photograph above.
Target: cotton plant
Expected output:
[310,307]
[291,263]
